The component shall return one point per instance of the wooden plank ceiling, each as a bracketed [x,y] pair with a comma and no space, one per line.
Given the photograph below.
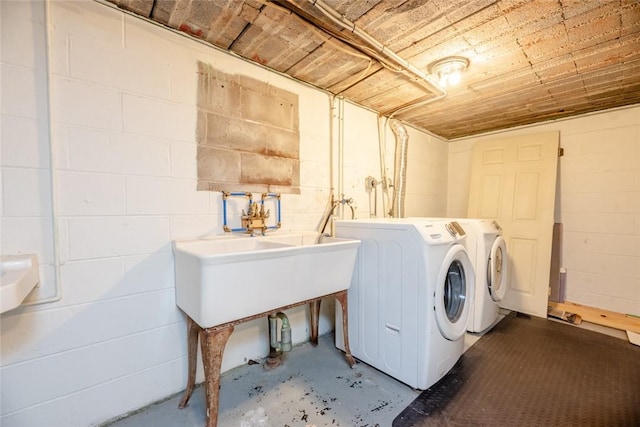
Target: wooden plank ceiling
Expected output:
[530,60]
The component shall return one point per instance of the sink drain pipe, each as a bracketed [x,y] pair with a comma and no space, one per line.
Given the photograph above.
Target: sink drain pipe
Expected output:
[285,332]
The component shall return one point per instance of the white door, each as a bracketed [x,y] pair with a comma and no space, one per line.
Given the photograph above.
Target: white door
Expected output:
[513,180]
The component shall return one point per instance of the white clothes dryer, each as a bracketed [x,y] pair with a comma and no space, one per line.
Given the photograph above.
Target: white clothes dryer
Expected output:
[487,250]
[409,297]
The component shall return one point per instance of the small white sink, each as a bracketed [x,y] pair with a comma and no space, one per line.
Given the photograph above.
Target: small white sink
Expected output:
[230,277]
[19,275]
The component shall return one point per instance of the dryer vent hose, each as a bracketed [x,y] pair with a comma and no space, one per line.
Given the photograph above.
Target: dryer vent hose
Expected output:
[400,168]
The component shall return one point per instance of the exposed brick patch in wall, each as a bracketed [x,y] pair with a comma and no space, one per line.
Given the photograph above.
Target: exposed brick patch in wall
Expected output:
[248,134]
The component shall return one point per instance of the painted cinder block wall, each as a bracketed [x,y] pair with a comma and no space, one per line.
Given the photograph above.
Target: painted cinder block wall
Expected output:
[597,201]
[123,108]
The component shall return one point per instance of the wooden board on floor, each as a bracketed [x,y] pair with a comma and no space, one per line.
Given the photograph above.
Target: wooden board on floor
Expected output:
[599,316]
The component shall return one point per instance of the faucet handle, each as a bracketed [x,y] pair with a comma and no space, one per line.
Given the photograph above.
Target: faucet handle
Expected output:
[254,211]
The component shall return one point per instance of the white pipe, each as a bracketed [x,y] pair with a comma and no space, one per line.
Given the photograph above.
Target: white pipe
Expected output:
[335,154]
[400,168]
[328,211]
[52,161]
[416,104]
[345,23]
[423,78]
[382,146]
[341,153]
[284,343]
[332,167]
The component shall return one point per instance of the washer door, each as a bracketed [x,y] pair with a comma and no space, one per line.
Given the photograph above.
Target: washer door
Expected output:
[451,302]
[497,269]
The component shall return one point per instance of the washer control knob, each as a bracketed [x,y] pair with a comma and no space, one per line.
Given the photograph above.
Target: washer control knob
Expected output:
[458,228]
[450,228]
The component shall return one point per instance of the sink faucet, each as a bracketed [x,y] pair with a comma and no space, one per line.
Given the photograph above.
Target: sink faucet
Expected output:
[255,218]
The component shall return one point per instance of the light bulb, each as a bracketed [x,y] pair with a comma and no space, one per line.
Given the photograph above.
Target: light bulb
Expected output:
[454,78]
[449,70]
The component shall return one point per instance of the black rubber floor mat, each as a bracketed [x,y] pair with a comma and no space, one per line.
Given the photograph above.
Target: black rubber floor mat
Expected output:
[535,372]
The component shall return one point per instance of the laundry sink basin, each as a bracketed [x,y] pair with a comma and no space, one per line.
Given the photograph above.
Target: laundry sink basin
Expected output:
[19,275]
[230,277]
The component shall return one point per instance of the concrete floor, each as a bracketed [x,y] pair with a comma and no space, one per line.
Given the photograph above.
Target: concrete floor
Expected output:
[314,387]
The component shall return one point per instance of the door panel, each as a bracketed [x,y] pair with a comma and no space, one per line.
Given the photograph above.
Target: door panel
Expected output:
[490,196]
[523,257]
[525,200]
[513,181]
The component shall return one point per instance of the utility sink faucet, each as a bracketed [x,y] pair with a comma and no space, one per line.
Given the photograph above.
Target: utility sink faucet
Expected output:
[255,219]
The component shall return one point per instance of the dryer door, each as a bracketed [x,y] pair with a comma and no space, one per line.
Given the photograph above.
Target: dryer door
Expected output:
[451,303]
[497,269]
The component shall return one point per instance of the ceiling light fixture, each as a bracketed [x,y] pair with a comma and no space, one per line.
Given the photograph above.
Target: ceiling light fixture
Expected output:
[449,70]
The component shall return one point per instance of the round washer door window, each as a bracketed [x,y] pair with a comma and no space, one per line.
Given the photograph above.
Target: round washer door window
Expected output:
[455,291]
[451,303]
[497,270]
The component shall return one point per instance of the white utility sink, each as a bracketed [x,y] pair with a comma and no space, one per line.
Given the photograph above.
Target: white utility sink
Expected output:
[230,277]
[19,275]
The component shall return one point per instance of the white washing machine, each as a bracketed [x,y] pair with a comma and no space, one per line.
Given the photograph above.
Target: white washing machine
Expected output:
[488,252]
[409,297]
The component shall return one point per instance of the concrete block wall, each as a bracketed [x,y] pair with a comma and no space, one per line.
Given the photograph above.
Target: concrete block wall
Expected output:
[248,134]
[25,155]
[597,200]
[124,109]
[426,175]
